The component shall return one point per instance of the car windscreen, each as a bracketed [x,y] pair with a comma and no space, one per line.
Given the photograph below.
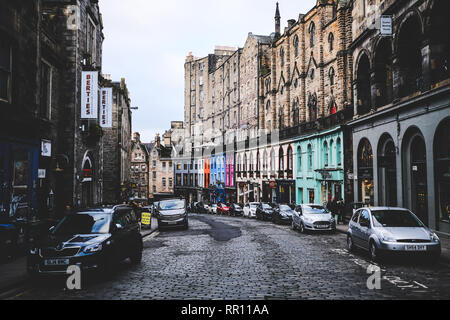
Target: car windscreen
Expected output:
[171,205]
[236,206]
[395,218]
[285,207]
[314,210]
[83,223]
[266,206]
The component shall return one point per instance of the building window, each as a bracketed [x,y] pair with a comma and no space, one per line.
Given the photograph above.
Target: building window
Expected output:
[310,161]
[282,56]
[46,91]
[331,41]
[91,41]
[331,76]
[170,182]
[154,175]
[164,182]
[154,163]
[325,156]
[154,189]
[164,165]
[5,73]
[296,46]
[143,168]
[312,34]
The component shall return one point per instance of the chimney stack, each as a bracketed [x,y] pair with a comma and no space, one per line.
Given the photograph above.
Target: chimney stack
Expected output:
[136,137]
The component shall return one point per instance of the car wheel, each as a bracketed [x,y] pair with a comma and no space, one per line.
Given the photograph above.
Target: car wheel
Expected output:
[293,227]
[373,250]
[302,228]
[350,244]
[136,257]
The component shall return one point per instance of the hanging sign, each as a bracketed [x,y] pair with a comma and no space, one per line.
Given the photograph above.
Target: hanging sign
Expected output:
[106,107]
[46,148]
[89,95]
[386,26]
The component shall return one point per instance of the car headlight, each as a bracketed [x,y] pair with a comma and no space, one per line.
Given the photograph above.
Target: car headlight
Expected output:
[331,219]
[434,237]
[93,248]
[308,219]
[388,238]
[34,251]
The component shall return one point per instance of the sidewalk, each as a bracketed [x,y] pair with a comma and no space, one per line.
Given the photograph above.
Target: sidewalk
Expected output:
[445,241]
[14,273]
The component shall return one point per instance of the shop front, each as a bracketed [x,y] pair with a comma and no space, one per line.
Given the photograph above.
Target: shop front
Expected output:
[285,191]
[19,164]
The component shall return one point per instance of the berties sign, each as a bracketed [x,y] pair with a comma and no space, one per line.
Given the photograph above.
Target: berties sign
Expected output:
[89,95]
[106,107]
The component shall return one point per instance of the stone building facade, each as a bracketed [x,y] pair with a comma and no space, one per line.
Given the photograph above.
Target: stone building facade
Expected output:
[161,170]
[117,147]
[45,46]
[139,168]
[401,127]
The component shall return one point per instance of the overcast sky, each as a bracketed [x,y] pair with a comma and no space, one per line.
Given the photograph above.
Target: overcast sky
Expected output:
[147,41]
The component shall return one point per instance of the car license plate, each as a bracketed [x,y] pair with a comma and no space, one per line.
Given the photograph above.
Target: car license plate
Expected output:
[322,226]
[56,262]
[172,222]
[415,248]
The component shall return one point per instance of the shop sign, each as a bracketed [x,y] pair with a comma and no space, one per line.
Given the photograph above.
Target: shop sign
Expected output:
[89,95]
[42,173]
[106,107]
[46,148]
[386,26]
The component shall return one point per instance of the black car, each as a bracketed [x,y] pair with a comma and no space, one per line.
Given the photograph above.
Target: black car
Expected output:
[200,208]
[235,210]
[264,211]
[94,240]
[282,214]
[172,213]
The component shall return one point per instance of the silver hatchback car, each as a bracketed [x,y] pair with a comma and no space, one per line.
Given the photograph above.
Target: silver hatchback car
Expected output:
[384,229]
[312,217]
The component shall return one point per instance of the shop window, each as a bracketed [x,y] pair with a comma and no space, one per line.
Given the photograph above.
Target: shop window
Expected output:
[5,72]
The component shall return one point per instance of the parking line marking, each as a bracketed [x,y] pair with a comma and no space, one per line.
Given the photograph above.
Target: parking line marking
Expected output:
[151,236]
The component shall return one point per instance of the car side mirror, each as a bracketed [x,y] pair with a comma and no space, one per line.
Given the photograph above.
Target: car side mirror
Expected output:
[51,229]
[118,227]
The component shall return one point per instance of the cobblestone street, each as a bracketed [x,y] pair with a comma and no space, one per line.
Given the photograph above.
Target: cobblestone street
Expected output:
[236,258]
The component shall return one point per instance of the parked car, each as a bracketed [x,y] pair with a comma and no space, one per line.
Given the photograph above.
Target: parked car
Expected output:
[222,208]
[282,214]
[213,209]
[94,239]
[236,210]
[250,209]
[264,211]
[314,217]
[397,230]
[172,213]
[207,207]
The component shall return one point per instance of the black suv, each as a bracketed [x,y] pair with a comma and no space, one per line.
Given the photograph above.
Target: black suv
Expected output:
[93,239]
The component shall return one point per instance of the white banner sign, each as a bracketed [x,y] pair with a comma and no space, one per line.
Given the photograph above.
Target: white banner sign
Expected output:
[106,107]
[386,26]
[89,95]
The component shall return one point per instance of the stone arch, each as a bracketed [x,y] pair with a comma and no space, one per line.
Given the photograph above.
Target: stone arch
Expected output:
[441,151]
[387,171]
[363,84]
[414,160]
[383,66]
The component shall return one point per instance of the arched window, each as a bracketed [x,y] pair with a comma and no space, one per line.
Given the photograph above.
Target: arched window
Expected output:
[440,41]
[383,73]
[267,85]
[331,76]
[258,162]
[365,172]
[299,158]
[251,162]
[312,107]
[410,56]
[282,56]
[281,159]
[245,163]
[272,161]
[312,34]
[296,45]
[268,105]
[331,41]
[331,163]
[325,154]
[338,151]
[363,85]
[310,160]
[290,159]
[265,162]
